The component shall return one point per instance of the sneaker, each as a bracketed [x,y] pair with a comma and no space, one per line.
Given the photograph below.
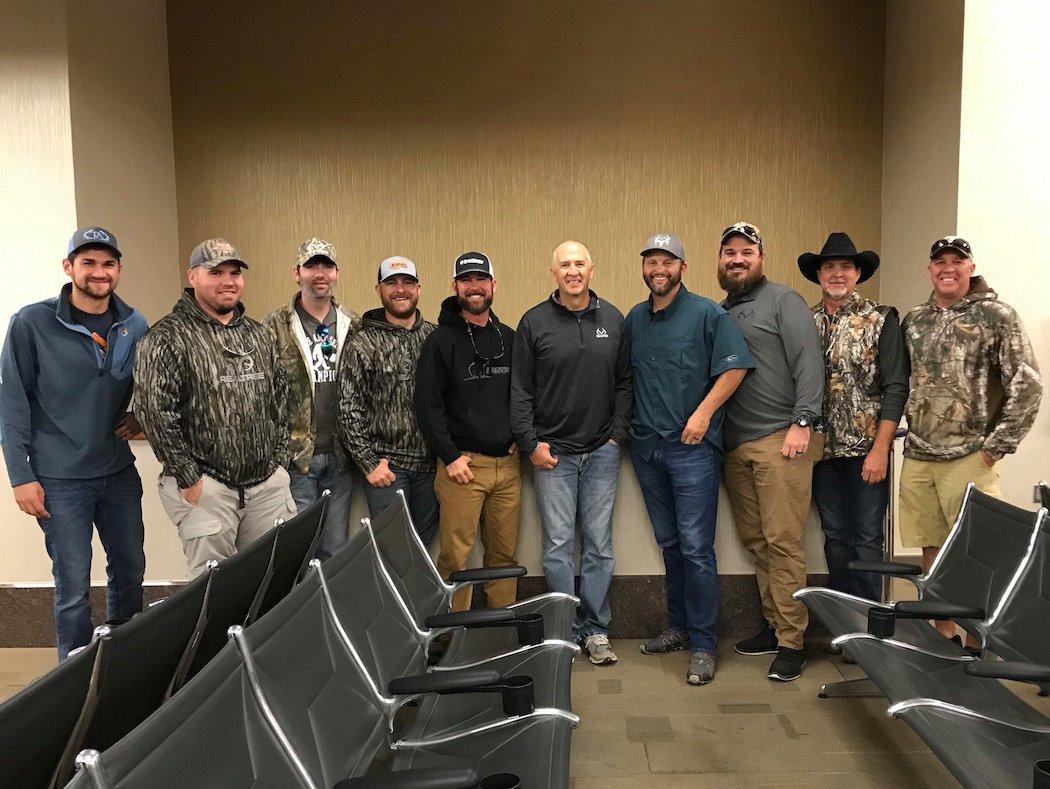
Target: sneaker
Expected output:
[701,668]
[787,665]
[598,650]
[667,641]
[764,642]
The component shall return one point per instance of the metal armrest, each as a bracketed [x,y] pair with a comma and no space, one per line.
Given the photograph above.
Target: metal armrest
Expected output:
[529,626]
[426,778]
[1035,673]
[517,691]
[479,574]
[885,568]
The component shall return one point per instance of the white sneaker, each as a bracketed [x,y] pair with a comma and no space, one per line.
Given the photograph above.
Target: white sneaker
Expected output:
[598,650]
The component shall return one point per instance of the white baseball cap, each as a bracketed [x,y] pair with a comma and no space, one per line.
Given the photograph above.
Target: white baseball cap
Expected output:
[397,265]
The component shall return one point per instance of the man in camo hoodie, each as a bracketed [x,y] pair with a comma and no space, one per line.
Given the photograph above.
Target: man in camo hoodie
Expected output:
[377,423]
[211,395]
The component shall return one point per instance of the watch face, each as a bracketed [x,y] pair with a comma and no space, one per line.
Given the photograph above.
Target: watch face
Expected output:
[802,422]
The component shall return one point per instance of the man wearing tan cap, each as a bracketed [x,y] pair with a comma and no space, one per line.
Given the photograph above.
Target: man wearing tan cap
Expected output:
[211,394]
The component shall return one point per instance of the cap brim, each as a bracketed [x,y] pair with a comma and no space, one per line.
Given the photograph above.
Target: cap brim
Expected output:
[74,251]
[645,252]
[950,248]
[399,274]
[473,271]
[745,236]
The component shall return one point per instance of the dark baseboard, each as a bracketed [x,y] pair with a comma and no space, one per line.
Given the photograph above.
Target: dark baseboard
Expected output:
[637,603]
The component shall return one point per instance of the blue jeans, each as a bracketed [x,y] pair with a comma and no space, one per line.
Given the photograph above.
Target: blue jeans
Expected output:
[422,503]
[851,515]
[680,487]
[580,489]
[113,505]
[325,473]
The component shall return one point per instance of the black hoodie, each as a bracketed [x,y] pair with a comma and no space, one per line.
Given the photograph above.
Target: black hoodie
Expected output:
[462,397]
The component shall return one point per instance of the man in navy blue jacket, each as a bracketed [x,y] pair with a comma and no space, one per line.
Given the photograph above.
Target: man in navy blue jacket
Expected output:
[64,393]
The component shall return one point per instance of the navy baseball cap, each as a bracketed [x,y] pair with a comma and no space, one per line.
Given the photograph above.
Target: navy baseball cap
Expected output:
[92,235]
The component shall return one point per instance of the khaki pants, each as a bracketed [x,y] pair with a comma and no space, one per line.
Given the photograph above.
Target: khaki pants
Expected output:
[493,500]
[932,492]
[770,497]
[216,528]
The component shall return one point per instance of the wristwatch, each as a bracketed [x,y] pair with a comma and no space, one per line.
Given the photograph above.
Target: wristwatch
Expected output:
[802,421]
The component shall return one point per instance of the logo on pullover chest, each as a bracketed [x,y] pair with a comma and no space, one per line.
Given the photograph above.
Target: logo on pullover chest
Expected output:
[601,334]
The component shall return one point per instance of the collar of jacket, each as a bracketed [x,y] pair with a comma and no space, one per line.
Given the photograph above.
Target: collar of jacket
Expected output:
[671,308]
[979,291]
[65,314]
[850,305]
[295,326]
[187,304]
[377,320]
[593,303]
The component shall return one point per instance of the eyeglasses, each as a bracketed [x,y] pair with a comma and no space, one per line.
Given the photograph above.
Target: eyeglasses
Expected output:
[951,242]
[474,345]
[327,341]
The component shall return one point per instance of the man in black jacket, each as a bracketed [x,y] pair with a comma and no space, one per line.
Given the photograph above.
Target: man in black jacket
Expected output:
[571,409]
[462,402]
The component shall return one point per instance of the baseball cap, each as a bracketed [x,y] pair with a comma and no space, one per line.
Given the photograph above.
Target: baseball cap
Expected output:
[667,242]
[745,229]
[397,265]
[214,252]
[472,263]
[92,235]
[314,248]
[960,245]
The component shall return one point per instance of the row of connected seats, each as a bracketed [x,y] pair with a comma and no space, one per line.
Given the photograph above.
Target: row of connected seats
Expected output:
[992,578]
[339,686]
[127,672]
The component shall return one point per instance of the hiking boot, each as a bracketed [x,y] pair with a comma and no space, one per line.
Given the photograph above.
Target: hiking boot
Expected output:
[598,650]
[787,665]
[667,641]
[764,642]
[701,668]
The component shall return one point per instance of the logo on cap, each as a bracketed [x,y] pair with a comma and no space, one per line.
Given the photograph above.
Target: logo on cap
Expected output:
[96,234]
[661,240]
[477,261]
[396,264]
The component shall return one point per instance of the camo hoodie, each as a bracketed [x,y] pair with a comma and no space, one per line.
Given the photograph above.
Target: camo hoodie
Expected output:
[212,398]
[974,379]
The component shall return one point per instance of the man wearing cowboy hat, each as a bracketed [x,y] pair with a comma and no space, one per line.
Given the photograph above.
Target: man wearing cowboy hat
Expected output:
[975,391]
[866,384]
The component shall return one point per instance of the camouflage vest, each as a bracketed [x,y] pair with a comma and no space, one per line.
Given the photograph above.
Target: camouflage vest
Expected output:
[852,396]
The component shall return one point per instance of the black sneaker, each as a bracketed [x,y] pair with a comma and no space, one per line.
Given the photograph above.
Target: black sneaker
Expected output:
[764,642]
[787,665]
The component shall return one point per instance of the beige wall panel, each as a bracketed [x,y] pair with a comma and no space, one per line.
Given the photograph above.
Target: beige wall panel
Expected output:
[427,129]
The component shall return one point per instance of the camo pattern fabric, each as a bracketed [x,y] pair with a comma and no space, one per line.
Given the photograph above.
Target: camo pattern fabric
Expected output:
[300,408]
[314,247]
[212,398]
[376,418]
[974,380]
[852,398]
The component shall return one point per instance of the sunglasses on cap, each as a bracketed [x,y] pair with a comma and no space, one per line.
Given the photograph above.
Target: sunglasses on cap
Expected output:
[327,342]
[951,242]
[745,229]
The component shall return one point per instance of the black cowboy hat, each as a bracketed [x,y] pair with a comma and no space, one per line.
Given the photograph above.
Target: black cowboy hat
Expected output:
[839,246]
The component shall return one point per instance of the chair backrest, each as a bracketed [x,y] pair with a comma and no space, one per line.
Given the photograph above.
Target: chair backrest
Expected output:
[210,733]
[1021,628]
[325,706]
[297,540]
[370,613]
[37,723]
[234,596]
[409,564]
[982,553]
[140,662]
[1044,494]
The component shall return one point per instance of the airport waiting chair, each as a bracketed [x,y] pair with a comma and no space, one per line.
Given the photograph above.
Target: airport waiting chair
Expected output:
[297,541]
[330,712]
[979,557]
[40,724]
[365,610]
[235,595]
[419,584]
[211,734]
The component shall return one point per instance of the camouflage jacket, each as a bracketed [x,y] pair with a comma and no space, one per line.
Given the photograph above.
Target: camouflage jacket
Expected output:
[210,397]
[293,347]
[974,379]
[864,382]
[376,387]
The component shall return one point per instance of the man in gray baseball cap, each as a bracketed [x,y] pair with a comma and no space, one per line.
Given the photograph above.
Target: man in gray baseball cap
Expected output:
[211,395]
[665,242]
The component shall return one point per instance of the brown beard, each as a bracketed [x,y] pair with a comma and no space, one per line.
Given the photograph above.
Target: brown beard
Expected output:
[734,287]
[392,308]
[479,310]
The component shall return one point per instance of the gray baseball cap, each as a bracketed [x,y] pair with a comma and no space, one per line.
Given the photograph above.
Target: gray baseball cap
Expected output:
[667,242]
[214,252]
[92,235]
[395,265]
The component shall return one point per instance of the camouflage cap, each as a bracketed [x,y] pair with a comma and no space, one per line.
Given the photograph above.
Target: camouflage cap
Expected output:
[214,252]
[315,247]
[952,243]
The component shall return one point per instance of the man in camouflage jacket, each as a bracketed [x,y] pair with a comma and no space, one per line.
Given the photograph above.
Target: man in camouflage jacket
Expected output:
[865,386]
[311,332]
[211,396]
[975,391]
[377,424]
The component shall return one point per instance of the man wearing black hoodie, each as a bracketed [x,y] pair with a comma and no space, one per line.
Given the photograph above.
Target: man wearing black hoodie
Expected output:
[462,403]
